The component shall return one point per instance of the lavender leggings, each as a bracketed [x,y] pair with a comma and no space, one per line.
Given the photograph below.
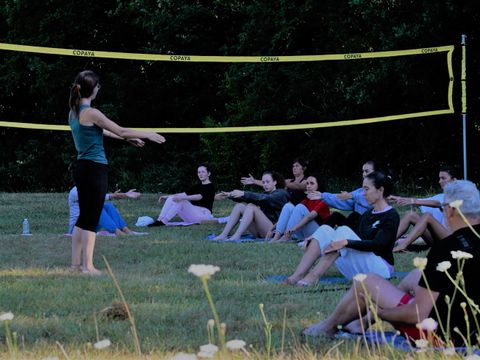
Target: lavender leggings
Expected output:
[185,210]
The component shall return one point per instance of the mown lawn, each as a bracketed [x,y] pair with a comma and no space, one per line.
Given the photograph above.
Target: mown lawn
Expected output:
[170,309]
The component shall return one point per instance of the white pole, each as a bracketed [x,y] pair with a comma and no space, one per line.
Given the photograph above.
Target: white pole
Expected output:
[464,103]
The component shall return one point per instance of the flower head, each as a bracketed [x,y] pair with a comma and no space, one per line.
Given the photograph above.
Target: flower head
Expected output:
[428,324]
[211,323]
[102,344]
[235,344]
[420,263]
[6,316]
[421,343]
[443,266]
[461,255]
[456,204]
[207,351]
[360,277]
[203,271]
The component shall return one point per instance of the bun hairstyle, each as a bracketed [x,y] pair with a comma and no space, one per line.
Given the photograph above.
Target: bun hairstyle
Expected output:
[82,87]
[276,177]
[379,179]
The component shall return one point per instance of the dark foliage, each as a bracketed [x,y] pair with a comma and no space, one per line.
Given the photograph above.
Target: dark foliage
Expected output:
[34,88]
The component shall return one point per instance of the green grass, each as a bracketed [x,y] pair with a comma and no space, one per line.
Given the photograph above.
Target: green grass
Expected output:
[169,305]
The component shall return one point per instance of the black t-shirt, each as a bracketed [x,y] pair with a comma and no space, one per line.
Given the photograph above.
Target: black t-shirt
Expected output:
[378,233]
[465,240]
[208,195]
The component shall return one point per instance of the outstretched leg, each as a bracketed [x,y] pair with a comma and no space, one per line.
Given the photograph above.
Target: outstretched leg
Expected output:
[233,219]
[410,218]
[311,255]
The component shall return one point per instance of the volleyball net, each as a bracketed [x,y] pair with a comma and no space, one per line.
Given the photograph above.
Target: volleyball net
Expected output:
[449,109]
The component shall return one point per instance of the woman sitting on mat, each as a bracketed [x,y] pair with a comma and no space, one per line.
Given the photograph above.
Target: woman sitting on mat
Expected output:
[430,225]
[256,212]
[295,187]
[110,218]
[300,220]
[194,205]
[353,201]
[366,249]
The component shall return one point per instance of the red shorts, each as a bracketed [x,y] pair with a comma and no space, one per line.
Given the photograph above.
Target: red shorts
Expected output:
[411,331]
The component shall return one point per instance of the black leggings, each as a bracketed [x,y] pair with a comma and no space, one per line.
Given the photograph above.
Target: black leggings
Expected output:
[91,181]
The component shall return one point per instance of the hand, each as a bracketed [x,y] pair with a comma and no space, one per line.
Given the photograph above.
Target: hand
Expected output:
[162,198]
[236,194]
[153,136]
[405,201]
[117,195]
[178,197]
[288,234]
[344,195]
[221,195]
[288,181]
[250,180]
[314,195]
[335,246]
[132,194]
[136,142]
[270,234]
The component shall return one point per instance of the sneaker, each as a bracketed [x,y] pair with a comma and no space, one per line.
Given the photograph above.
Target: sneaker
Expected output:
[156,223]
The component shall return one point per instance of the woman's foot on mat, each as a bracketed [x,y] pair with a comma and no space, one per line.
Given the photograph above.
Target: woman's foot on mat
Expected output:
[156,223]
[75,269]
[92,272]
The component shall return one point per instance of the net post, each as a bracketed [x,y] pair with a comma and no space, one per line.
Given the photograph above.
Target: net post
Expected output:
[464,102]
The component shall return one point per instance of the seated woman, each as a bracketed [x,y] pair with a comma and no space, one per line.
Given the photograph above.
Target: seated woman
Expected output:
[256,212]
[303,219]
[431,224]
[367,249]
[110,218]
[295,187]
[348,201]
[194,205]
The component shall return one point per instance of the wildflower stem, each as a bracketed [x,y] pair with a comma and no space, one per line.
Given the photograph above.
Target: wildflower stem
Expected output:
[221,334]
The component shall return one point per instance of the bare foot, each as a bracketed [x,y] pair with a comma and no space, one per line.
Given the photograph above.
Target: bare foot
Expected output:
[401,245]
[291,280]
[354,327]
[75,268]
[92,272]
[319,329]
[220,238]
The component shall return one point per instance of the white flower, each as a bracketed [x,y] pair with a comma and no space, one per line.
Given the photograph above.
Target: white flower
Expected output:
[207,351]
[183,356]
[472,357]
[6,316]
[449,351]
[443,266]
[456,204]
[461,255]
[428,324]
[235,344]
[211,323]
[421,343]
[360,277]
[102,344]
[203,271]
[420,263]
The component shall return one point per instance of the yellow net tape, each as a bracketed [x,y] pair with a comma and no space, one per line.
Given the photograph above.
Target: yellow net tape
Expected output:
[242,59]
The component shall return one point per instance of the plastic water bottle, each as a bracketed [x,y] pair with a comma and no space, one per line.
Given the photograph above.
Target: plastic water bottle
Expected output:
[26,227]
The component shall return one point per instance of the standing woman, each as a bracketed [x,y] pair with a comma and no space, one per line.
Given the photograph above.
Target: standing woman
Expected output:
[194,205]
[88,127]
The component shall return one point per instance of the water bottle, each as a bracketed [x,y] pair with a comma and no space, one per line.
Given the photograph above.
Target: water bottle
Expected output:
[25,227]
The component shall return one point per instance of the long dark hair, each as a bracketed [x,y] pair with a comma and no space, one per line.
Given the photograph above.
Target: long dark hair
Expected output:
[83,86]
[276,177]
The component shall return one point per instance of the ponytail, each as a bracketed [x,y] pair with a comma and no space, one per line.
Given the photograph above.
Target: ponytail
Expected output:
[83,86]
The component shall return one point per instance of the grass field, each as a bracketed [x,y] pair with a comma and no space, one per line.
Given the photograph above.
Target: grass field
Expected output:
[53,307]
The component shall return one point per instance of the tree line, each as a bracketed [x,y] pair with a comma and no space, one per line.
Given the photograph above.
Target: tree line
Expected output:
[34,88]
